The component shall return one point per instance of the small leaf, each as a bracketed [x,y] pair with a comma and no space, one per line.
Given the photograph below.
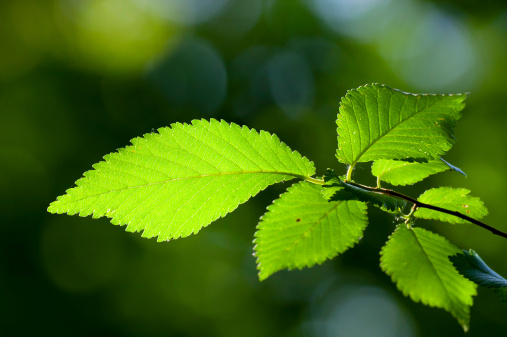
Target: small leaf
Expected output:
[454,168]
[396,172]
[454,199]
[378,122]
[417,261]
[172,183]
[301,229]
[470,265]
[336,189]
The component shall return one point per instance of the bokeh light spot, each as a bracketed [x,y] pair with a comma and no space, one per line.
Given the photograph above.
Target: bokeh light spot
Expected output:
[237,17]
[291,83]
[118,36]
[186,12]
[346,310]
[194,76]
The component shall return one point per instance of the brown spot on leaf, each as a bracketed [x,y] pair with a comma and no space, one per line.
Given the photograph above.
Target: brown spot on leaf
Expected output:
[298,220]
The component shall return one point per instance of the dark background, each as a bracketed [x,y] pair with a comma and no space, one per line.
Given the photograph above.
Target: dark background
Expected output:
[79,79]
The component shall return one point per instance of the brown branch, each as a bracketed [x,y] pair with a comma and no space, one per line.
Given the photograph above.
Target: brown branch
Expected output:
[435,208]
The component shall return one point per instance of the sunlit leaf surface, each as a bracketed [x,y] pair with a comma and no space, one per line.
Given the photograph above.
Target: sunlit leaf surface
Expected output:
[301,229]
[378,122]
[417,261]
[454,199]
[172,183]
[397,172]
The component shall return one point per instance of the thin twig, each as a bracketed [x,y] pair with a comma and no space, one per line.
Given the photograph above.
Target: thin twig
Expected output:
[435,208]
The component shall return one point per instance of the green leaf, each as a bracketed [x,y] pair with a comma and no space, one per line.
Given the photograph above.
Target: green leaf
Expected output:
[396,172]
[470,265]
[172,183]
[417,261]
[336,189]
[378,122]
[301,229]
[454,199]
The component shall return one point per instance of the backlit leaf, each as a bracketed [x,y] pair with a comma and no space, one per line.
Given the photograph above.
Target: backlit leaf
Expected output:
[172,183]
[378,122]
[454,199]
[417,261]
[396,172]
[301,229]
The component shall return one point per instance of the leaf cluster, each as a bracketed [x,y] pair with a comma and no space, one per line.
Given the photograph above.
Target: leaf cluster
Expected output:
[172,183]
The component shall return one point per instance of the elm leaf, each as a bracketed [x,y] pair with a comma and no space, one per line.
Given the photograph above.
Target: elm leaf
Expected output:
[470,265]
[417,261]
[378,122]
[397,172]
[302,229]
[172,183]
[454,199]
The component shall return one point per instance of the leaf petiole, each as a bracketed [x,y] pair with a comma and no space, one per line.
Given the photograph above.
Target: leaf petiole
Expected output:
[410,216]
[349,173]
[314,180]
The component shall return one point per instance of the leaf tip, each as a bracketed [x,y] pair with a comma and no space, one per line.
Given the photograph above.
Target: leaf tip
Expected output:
[52,207]
[262,276]
[263,272]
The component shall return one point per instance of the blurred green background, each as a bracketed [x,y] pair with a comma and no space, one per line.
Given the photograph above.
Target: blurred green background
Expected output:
[79,79]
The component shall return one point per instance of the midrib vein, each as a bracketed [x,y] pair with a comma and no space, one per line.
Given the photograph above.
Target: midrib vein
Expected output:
[394,127]
[161,182]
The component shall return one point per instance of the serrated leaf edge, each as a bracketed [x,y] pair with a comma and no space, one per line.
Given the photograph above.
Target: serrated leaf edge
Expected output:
[420,300]
[314,262]
[309,167]
[350,92]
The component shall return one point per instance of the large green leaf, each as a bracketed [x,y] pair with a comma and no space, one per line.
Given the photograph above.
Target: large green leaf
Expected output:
[454,199]
[172,183]
[417,261]
[378,122]
[336,189]
[301,228]
[397,172]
